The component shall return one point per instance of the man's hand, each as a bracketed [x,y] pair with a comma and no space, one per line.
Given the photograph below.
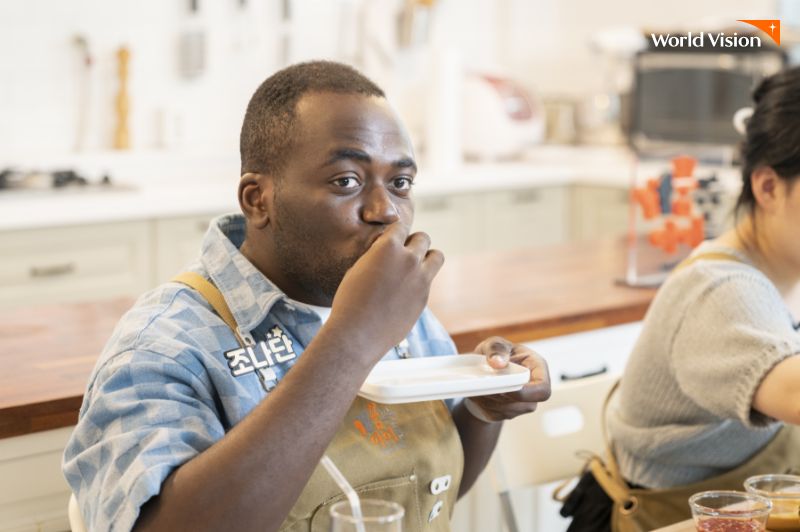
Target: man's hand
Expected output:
[386,290]
[499,352]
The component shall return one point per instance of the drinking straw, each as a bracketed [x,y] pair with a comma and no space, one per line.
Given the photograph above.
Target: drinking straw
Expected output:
[352,496]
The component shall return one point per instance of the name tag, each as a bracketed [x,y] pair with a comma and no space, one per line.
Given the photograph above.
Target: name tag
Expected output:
[276,349]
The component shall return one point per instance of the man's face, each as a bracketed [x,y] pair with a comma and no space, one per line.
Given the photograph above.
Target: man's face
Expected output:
[348,176]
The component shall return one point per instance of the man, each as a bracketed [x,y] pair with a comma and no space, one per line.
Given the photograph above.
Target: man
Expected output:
[190,423]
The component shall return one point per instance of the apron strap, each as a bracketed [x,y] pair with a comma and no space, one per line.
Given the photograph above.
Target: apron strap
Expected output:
[214,297]
[607,472]
[716,255]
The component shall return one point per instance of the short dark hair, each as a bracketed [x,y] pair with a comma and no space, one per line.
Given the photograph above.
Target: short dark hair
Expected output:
[773,133]
[269,120]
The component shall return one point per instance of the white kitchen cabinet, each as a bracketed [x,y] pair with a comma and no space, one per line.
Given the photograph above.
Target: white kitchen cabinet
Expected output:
[452,221]
[76,263]
[524,217]
[97,261]
[490,221]
[177,243]
[36,500]
[598,212]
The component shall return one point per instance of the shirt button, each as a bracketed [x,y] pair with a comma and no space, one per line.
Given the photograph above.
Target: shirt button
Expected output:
[435,511]
[440,484]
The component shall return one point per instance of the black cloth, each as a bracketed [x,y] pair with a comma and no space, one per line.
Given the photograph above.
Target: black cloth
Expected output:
[589,506]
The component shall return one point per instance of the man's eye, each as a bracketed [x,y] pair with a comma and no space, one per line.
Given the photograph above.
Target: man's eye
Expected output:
[402,183]
[346,182]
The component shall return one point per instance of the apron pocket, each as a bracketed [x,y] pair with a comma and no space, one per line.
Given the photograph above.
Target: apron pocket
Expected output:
[402,490]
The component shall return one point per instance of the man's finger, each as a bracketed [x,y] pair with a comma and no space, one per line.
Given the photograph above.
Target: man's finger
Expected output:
[432,263]
[534,392]
[419,243]
[498,360]
[396,231]
[532,360]
[497,350]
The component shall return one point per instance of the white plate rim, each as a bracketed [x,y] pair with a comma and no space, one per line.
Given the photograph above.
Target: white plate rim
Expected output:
[506,380]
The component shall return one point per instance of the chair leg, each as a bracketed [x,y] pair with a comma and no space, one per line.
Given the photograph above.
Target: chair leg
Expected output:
[508,512]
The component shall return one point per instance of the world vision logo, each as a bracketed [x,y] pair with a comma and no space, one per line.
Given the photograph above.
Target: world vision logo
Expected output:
[720,39]
[770,27]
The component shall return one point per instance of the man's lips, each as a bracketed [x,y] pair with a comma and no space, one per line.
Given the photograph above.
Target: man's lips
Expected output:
[371,240]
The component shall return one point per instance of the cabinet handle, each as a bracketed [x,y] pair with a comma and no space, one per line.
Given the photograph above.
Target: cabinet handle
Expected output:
[526,196]
[53,270]
[578,376]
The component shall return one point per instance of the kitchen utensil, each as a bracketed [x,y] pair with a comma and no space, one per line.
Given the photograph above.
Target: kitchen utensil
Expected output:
[500,118]
[562,121]
[121,136]
[84,92]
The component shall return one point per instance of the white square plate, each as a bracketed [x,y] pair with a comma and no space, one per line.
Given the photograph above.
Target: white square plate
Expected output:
[440,377]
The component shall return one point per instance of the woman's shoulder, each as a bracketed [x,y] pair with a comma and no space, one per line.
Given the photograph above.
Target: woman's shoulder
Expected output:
[717,285]
[713,266]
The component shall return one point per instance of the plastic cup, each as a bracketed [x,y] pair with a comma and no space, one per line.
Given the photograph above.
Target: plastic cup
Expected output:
[784,492]
[729,511]
[378,516]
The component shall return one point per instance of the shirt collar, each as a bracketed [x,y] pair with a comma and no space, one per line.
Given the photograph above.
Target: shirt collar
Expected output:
[248,293]
[323,312]
[710,246]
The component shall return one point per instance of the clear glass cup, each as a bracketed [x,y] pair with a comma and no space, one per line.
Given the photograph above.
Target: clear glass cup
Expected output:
[729,511]
[379,516]
[784,492]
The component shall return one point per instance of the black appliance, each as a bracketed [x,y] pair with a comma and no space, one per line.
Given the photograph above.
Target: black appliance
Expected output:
[686,97]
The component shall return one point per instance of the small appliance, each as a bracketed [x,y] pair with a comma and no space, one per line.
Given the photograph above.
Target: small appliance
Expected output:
[500,118]
[686,97]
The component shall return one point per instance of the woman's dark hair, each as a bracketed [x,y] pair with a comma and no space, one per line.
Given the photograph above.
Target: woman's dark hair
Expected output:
[773,133]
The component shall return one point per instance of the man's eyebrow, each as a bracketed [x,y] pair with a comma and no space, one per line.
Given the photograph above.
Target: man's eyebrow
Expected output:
[343,154]
[405,162]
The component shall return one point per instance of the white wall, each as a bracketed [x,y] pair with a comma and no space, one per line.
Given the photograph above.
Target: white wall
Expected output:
[542,43]
[546,43]
[40,71]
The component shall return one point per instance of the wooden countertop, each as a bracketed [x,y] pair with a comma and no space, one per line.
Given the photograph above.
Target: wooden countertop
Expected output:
[536,293]
[46,356]
[48,352]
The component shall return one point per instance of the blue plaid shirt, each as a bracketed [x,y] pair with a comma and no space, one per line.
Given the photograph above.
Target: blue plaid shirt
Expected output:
[172,379]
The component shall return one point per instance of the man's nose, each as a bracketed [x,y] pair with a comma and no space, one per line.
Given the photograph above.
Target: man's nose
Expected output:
[379,207]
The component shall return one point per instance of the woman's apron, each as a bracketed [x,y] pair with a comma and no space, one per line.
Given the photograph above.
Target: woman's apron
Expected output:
[410,454]
[639,510]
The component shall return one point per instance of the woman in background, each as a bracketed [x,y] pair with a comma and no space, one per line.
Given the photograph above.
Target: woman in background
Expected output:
[714,378]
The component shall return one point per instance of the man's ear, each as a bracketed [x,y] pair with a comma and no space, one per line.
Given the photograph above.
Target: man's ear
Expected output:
[766,186]
[256,193]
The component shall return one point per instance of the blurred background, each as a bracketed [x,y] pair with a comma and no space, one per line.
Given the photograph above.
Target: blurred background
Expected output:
[194,63]
[533,121]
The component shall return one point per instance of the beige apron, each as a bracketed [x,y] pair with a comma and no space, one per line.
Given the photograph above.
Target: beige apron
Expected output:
[405,453]
[639,510]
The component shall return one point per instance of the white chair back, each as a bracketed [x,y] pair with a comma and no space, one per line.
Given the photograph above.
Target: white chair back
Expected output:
[543,447]
[75,517]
